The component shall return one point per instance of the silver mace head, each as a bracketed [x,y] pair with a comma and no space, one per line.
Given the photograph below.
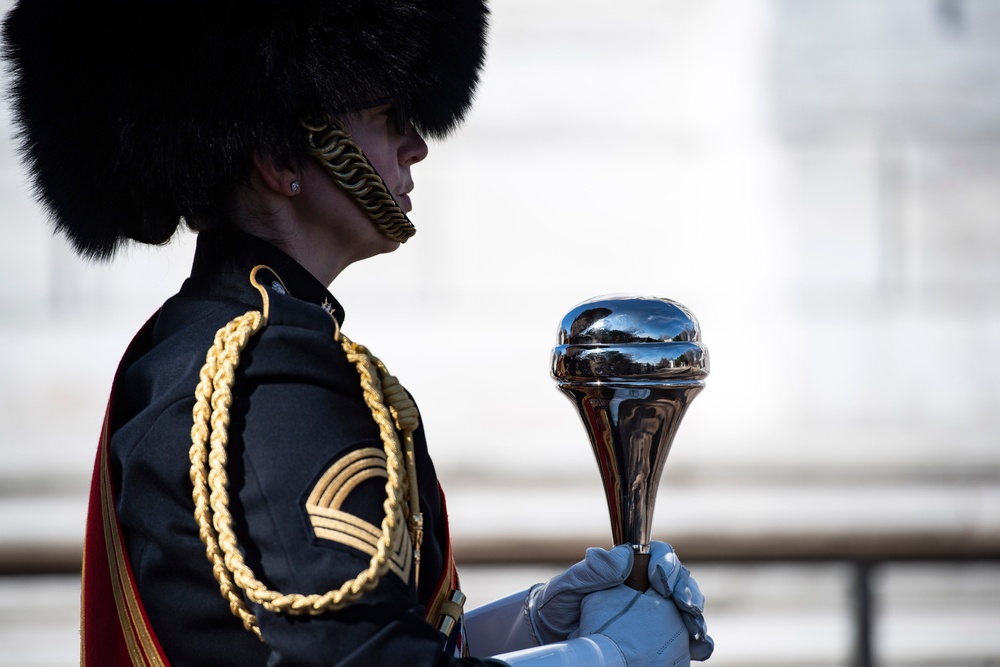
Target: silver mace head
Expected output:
[631,365]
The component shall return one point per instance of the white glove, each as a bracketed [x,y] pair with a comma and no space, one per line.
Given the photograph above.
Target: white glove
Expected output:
[553,608]
[663,626]
[645,627]
[669,578]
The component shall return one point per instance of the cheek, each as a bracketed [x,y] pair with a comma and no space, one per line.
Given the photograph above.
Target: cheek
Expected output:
[387,166]
[321,193]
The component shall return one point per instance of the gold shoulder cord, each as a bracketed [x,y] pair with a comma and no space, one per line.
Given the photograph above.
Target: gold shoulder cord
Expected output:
[209,438]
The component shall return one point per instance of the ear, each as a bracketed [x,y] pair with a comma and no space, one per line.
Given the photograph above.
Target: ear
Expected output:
[281,180]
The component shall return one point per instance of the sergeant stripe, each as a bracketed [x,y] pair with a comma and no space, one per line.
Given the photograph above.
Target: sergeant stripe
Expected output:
[333,524]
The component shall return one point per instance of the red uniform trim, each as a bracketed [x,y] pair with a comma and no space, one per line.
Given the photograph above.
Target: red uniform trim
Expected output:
[114,629]
[446,585]
[449,574]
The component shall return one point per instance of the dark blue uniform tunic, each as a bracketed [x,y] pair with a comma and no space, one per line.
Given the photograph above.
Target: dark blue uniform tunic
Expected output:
[297,409]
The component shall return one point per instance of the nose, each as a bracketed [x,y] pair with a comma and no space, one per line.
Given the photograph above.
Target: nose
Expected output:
[414,148]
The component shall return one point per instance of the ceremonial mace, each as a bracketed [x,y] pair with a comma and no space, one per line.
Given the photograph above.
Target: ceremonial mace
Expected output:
[631,365]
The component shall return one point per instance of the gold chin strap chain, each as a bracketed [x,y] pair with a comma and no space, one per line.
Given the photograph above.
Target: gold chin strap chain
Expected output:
[344,161]
[209,438]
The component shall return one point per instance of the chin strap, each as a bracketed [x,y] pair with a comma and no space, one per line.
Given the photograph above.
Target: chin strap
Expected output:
[391,408]
[344,161]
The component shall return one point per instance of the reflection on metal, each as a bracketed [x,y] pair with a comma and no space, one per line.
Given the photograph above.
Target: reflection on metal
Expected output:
[631,366]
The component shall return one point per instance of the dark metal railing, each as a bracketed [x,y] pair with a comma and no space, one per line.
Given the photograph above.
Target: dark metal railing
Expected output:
[865,553]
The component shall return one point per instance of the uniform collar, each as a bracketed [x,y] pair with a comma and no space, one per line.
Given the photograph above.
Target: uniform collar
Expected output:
[223,260]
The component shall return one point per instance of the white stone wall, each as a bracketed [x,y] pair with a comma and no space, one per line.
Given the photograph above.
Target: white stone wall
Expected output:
[815,180]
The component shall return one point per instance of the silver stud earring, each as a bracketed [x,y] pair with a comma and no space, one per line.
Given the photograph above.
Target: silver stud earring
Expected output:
[295,186]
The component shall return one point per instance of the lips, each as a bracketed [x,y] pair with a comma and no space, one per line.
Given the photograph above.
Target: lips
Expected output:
[403,202]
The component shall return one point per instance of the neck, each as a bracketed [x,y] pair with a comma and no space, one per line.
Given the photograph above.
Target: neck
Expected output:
[272,218]
[321,226]
[315,253]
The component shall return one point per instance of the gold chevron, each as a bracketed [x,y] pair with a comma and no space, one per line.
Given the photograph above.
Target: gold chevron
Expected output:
[331,523]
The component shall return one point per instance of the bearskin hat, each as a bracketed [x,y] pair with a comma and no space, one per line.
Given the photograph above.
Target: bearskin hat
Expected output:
[134,113]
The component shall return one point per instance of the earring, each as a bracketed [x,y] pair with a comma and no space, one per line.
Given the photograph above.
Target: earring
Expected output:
[295,186]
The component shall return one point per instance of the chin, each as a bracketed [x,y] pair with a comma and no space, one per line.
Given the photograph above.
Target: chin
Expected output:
[389,246]
[382,246]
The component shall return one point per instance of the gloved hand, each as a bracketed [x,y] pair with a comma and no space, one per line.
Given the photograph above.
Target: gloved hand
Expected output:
[553,608]
[669,578]
[645,627]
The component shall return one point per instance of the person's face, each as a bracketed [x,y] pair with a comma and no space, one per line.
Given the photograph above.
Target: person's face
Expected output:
[391,153]
[377,131]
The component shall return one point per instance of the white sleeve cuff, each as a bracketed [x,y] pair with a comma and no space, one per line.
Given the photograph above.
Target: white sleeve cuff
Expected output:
[499,626]
[589,651]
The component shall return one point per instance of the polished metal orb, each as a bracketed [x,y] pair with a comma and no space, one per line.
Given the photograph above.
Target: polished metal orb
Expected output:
[629,338]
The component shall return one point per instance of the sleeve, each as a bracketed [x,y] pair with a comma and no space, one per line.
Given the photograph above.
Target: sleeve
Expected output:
[306,497]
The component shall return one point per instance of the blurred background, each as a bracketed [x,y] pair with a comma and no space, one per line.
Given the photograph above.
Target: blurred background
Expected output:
[817,180]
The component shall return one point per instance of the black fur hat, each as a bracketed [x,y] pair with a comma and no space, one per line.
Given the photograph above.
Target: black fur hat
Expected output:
[133,113]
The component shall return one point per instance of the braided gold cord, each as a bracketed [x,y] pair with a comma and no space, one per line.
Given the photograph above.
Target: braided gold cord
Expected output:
[345,162]
[407,418]
[213,397]
[204,412]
